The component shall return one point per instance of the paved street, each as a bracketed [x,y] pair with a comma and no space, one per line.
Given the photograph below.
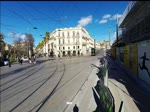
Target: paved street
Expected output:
[48,85]
[57,85]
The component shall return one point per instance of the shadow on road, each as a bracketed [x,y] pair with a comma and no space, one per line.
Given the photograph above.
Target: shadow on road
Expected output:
[17,70]
[97,101]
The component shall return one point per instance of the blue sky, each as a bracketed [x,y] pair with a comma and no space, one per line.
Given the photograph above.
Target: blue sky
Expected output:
[97,17]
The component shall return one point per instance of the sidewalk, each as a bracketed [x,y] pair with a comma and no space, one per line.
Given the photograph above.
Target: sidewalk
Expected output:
[141,84]
[125,87]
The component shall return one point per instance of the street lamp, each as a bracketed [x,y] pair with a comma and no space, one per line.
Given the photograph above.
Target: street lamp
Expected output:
[117,29]
[28,43]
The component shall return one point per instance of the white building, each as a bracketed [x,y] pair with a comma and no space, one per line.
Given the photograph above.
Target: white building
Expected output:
[69,41]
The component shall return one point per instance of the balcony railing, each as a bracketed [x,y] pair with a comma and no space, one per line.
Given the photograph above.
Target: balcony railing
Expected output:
[84,43]
[127,10]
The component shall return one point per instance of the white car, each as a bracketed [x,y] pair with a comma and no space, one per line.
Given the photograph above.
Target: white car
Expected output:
[25,59]
[6,61]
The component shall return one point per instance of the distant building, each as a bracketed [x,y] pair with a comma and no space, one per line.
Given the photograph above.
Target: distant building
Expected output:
[104,44]
[69,41]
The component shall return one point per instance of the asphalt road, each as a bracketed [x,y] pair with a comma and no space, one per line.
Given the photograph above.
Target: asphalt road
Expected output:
[49,85]
[56,85]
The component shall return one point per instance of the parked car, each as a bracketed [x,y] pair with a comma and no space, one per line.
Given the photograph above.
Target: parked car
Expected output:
[25,59]
[4,61]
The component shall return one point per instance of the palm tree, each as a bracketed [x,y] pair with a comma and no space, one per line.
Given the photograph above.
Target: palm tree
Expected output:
[46,38]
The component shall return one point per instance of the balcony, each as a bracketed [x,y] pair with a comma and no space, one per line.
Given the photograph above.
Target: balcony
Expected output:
[84,43]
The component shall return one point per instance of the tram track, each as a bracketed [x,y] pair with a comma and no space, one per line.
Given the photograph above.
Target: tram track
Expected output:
[28,74]
[33,91]
[38,106]
[15,107]
[63,86]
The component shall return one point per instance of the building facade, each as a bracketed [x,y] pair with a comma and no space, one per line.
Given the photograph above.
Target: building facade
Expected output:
[69,41]
[133,45]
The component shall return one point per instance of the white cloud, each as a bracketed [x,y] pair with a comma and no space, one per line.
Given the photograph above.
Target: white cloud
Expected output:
[13,34]
[18,34]
[115,16]
[84,21]
[106,16]
[23,37]
[103,21]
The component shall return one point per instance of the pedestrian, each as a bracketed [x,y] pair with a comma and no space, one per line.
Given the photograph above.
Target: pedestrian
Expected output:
[75,108]
[9,62]
[21,61]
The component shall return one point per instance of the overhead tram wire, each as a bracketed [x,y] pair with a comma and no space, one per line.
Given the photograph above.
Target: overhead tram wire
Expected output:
[44,14]
[75,5]
[7,25]
[18,15]
[32,15]
[38,13]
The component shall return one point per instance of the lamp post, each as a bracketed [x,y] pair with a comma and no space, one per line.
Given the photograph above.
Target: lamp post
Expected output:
[117,29]
[109,34]
[29,43]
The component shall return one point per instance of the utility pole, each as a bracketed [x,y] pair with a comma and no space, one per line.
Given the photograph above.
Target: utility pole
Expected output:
[109,35]
[29,52]
[117,29]
[13,35]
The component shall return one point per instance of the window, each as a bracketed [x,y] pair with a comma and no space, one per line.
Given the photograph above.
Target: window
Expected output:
[63,34]
[77,33]
[63,48]
[78,47]
[77,40]
[59,34]
[68,40]
[63,41]
[59,48]
[73,47]
[68,47]
[59,41]
[73,33]
[68,34]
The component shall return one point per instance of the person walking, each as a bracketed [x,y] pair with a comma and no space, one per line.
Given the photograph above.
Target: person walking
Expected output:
[75,108]
[21,61]
[9,62]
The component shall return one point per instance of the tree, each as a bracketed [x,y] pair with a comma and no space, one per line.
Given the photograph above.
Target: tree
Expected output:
[2,43]
[46,38]
[30,42]
[20,47]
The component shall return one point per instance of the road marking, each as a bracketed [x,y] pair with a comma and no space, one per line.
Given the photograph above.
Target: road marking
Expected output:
[68,103]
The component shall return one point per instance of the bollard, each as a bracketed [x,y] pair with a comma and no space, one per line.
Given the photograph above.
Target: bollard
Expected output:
[106,76]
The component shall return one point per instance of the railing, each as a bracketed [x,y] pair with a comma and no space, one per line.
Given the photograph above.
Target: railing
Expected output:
[127,10]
